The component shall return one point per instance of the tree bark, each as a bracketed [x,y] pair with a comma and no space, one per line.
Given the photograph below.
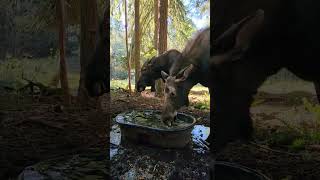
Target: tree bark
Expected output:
[137,41]
[162,45]
[156,24]
[317,88]
[89,24]
[63,66]
[128,59]
[163,9]
[3,32]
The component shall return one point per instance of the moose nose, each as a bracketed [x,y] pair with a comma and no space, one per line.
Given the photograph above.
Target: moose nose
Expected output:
[141,88]
[168,118]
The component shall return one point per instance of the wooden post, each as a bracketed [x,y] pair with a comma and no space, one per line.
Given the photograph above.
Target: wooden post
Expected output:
[63,66]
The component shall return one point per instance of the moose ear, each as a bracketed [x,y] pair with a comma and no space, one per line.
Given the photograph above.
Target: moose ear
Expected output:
[185,73]
[241,35]
[150,61]
[164,75]
[249,30]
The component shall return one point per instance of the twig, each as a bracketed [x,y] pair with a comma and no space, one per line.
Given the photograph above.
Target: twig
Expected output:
[273,150]
[39,122]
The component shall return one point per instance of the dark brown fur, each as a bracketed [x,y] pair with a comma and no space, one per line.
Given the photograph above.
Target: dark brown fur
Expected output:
[151,69]
[289,39]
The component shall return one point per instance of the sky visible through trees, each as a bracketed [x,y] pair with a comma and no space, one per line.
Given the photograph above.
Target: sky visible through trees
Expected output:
[184,19]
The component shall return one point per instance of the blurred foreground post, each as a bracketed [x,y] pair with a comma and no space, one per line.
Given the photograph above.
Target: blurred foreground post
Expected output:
[89,24]
[63,66]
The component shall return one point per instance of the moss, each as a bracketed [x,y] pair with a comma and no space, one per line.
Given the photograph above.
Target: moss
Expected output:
[298,144]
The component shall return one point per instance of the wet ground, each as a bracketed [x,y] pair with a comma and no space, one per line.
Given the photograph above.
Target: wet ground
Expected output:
[132,161]
[269,112]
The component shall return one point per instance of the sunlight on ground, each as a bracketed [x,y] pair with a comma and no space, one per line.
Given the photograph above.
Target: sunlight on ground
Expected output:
[199,96]
[38,70]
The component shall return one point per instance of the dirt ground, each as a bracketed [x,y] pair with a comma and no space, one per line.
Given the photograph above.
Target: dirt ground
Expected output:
[37,129]
[33,129]
[275,162]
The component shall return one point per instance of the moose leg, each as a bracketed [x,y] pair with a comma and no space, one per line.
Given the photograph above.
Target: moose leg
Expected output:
[317,88]
[153,86]
[231,119]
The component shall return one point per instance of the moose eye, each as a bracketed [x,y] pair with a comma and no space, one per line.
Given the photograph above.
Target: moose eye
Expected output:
[167,90]
[172,94]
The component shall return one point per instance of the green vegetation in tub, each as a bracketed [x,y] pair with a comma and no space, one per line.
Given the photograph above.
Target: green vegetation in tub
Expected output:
[153,119]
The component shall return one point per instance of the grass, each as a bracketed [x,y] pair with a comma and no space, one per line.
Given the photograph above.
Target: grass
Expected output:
[39,70]
[116,83]
[199,95]
[295,137]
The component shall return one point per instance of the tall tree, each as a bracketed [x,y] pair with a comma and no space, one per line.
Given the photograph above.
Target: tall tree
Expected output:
[317,88]
[89,24]
[63,67]
[127,48]
[3,31]
[159,84]
[156,24]
[163,32]
[137,40]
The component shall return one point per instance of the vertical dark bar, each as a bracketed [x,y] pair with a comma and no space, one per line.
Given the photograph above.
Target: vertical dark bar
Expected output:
[106,37]
[211,136]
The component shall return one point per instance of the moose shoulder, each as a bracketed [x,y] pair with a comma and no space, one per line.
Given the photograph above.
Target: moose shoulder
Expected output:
[151,69]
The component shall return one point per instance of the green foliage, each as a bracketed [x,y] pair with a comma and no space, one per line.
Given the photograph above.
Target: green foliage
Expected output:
[14,69]
[38,70]
[314,136]
[296,136]
[312,108]
[202,105]
[298,144]
[115,84]
[180,27]
[283,137]
[257,102]
[149,54]
[200,98]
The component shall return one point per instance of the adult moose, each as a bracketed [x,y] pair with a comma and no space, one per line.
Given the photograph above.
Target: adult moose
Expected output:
[288,38]
[151,69]
[245,51]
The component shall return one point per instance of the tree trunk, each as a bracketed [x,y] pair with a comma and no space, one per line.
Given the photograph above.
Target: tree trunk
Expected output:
[158,84]
[128,59]
[3,32]
[137,41]
[162,45]
[63,66]
[14,32]
[89,24]
[156,24]
[317,88]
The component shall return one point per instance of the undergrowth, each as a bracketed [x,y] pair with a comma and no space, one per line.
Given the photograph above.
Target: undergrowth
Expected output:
[296,137]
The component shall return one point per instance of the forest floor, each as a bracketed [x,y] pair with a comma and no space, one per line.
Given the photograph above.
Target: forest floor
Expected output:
[280,149]
[35,128]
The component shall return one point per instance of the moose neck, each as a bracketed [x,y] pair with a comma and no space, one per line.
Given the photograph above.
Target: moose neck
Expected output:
[165,65]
